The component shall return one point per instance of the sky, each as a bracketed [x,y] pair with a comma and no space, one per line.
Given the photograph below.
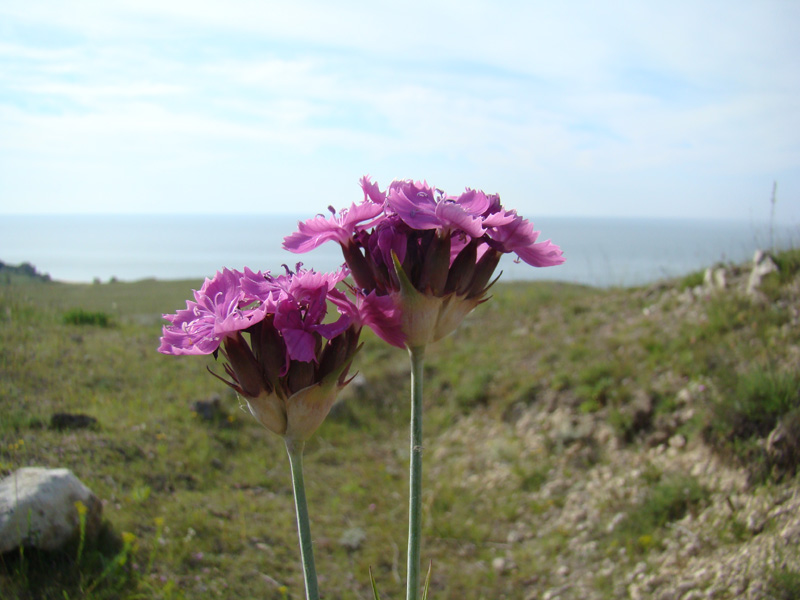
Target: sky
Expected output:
[685,109]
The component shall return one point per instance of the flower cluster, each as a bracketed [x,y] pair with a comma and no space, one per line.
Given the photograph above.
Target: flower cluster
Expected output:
[432,254]
[421,260]
[282,355]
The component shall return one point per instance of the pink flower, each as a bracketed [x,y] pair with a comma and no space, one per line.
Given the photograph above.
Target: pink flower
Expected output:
[420,207]
[517,235]
[283,355]
[433,255]
[220,310]
[339,227]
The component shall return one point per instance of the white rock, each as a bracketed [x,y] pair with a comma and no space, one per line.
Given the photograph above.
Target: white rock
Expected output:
[677,441]
[762,266]
[720,279]
[515,536]
[499,565]
[37,508]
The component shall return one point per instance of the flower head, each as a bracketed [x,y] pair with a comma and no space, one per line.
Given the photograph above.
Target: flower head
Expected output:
[219,310]
[283,354]
[421,207]
[338,227]
[433,255]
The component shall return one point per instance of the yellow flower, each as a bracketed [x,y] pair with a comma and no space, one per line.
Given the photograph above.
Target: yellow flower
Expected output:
[128,538]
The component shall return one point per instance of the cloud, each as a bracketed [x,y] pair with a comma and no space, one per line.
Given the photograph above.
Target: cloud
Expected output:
[573,99]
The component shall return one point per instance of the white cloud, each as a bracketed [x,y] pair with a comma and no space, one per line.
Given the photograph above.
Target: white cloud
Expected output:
[577,98]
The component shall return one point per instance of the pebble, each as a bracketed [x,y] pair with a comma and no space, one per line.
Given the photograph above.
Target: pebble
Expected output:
[499,565]
[677,441]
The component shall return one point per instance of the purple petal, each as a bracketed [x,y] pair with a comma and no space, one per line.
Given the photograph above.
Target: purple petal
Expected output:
[331,330]
[216,313]
[372,191]
[380,314]
[543,254]
[306,282]
[340,227]
[314,232]
[452,216]
[475,202]
[518,236]
[358,213]
[257,285]
[300,345]
[414,204]
[390,236]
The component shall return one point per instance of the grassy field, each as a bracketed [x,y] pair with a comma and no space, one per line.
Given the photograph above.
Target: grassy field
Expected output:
[198,507]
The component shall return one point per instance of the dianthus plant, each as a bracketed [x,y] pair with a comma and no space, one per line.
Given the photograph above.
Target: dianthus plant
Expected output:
[432,256]
[281,354]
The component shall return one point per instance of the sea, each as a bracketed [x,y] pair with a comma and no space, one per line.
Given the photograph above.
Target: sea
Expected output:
[601,252]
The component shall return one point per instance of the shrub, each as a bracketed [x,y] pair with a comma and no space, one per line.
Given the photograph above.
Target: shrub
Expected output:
[692,280]
[760,399]
[788,263]
[784,584]
[755,405]
[668,500]
[79,316]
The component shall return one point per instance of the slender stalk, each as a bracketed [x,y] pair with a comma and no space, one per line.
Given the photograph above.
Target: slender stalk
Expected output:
[417,355]
[295,450]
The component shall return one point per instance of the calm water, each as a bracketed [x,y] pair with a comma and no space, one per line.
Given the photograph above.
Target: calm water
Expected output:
[599,251]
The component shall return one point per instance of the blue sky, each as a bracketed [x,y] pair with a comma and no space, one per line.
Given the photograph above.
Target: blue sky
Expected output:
[679,109]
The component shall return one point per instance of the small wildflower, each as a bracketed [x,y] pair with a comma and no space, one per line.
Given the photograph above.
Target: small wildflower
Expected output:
[433,255]
[284,357]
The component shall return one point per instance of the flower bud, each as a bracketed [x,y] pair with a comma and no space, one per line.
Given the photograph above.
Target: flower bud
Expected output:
[244,365]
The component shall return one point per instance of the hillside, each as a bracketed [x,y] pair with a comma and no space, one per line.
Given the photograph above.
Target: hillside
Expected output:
[580,443]
[24,272]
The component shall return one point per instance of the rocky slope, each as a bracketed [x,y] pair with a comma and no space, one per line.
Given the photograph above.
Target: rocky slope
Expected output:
[627,488]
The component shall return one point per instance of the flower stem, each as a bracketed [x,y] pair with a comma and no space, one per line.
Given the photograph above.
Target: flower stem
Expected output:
[295,450]
[417,355]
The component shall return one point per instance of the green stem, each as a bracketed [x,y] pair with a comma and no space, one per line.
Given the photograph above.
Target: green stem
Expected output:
[417,355]
[295,450]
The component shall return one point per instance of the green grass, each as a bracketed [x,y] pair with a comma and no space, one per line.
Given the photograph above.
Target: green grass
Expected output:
[79,316]
[692,280]
[784,584]
[760,399]
[756,402]
[210,503]
[669,499]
